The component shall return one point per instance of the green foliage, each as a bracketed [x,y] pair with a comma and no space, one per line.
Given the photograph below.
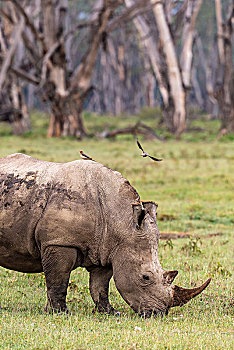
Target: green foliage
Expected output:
[168,244]
[193,247]
[218,269]
[193,186]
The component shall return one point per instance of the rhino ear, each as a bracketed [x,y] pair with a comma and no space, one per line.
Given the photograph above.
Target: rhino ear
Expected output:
[150,207]
[138,214]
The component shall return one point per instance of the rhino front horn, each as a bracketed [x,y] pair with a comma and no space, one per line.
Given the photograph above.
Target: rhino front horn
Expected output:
[182,295]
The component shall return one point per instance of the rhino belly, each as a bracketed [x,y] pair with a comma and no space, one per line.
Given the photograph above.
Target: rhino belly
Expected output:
[14,260]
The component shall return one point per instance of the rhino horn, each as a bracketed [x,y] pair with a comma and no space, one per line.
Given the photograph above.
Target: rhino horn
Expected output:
[169,276]
[138,214]
[182,295]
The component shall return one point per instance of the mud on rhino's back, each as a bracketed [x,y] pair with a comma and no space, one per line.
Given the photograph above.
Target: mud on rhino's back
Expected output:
[27,185]
[22,199]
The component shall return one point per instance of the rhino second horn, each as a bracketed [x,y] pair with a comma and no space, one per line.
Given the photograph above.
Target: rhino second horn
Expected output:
[138,214]
[169,276]
[182,295]
[150,207]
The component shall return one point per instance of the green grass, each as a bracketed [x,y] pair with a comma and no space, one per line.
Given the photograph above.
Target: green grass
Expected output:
[194,189]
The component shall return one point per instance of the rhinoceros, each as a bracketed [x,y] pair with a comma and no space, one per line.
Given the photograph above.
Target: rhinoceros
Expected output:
[55,217]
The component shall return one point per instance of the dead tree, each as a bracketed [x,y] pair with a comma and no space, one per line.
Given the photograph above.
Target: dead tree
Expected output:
[63,90]
[137,129]
[64,86]
[224,91]
[13,108]
[173,73]
[121,67]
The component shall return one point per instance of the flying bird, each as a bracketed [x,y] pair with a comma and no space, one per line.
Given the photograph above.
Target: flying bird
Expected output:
[84,156]
[145,154]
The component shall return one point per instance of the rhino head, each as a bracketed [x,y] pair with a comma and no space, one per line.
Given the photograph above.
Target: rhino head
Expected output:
[137,272]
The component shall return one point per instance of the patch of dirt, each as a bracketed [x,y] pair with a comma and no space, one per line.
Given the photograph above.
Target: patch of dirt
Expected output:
[165,217]
[177,235]
[213,235]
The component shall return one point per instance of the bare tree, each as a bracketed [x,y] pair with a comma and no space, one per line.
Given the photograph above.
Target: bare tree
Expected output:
[149,40]
[50,46]
[224,91]
[63,90]
[173,73]
[64,80]
[176,107]
[12,104]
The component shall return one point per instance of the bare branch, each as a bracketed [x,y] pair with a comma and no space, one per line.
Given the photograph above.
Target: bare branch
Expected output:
[219,22]
[28,22]
[46,60]
[3,42]
[9,54]
[174,75]
[179,21]
[82,75]
[187,39]
[79,26]
[139,8]
[137,129]
[22,74]
[6,15]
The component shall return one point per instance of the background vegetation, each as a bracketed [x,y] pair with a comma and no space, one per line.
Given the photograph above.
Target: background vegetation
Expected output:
[194,188]
[114,57]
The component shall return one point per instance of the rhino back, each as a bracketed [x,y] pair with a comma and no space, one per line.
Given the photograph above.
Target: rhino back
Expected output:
[80,203]
[91,209]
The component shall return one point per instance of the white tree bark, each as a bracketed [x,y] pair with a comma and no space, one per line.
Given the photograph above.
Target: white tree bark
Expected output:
[174,76]
[151,48]
[193,7]
[219,22]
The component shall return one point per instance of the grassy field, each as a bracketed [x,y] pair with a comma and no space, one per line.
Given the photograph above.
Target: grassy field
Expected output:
[194,189]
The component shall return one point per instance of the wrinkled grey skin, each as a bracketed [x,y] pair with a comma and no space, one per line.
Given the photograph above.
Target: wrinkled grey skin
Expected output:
[55,217]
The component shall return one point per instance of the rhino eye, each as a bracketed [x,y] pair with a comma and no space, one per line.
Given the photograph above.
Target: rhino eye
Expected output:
[146,277]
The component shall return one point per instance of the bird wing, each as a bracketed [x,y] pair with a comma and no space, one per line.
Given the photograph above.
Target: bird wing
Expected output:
[85,155]
[139,145]
[155,159]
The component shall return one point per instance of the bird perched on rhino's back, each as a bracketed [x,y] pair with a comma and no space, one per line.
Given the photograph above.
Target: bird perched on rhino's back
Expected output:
[84,156]
[145,154]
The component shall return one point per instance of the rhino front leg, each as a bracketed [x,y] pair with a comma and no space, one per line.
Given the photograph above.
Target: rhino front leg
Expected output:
[99,287]
[58,263]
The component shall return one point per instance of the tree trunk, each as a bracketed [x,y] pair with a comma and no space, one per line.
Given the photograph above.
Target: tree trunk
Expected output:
[149,83]
[186,56]
[196,88]
[74,125]
[67,94]
[12,103]
[225,76]
[66,117]
[175,111]
[150,46]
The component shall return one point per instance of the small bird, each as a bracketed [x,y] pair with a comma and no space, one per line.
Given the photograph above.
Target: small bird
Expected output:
[145,154]
[84,156]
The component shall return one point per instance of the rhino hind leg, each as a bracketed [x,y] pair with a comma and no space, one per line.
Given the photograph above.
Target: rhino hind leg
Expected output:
[99,279]
[58,263]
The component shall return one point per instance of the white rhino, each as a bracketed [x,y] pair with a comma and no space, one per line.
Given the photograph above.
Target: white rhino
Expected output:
[55,217]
